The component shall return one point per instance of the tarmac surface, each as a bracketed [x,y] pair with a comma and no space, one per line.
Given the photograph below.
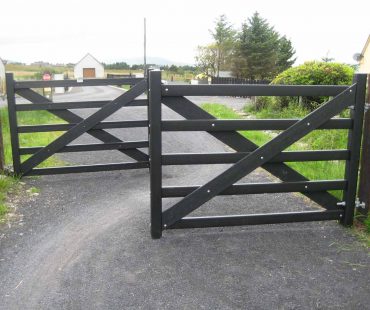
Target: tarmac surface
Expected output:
[84,241]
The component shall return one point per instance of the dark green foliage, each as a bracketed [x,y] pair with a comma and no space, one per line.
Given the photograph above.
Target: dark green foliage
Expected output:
[258,42]
[260,51]
[285,54]
[314,73]
[117,66]
[257,51]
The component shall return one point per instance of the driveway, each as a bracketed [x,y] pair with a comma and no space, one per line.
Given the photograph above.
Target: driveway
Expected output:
[84,242]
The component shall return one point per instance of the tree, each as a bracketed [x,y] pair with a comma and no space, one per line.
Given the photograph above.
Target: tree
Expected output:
[258,43]
[326,58]
[285,55]
[261,53]
[207,59]
[224,38]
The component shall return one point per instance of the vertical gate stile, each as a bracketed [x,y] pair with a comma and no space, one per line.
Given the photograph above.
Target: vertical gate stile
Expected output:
[13,123]
[354,144]
[155,153]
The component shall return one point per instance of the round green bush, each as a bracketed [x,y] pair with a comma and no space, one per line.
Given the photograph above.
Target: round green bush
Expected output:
[314,73]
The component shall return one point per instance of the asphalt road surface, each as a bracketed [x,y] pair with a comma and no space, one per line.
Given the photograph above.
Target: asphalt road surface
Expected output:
[84,242]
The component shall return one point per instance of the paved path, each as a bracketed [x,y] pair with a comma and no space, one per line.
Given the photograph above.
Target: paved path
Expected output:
[84,243]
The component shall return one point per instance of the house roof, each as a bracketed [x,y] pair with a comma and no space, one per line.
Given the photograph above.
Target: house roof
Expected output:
[88,54]
[366,45]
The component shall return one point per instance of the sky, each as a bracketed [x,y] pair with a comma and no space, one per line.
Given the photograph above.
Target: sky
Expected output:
[112,30]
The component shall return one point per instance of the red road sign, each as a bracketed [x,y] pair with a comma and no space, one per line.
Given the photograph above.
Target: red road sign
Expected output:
[46,76]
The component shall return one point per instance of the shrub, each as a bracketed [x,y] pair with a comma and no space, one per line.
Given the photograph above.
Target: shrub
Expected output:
[314,73]
[262,102]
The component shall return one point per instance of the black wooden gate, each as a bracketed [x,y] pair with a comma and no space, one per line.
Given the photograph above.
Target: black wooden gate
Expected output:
[246,158]
[76,125]
[249,156]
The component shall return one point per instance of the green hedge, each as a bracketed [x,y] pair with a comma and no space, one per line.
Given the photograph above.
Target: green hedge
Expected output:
[313,73]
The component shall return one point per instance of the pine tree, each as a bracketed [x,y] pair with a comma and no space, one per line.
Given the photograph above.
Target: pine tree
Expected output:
[285,55]
[224,37]
[258,42]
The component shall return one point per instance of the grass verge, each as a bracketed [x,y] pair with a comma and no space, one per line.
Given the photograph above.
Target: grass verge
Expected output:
[317,140]
[9,184]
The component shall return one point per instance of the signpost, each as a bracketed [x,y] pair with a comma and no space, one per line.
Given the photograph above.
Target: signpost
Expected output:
[46,76]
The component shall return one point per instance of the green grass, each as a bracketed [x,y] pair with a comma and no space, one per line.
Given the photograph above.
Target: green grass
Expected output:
[317,140]
[9,184]
[31,139]
[125,87]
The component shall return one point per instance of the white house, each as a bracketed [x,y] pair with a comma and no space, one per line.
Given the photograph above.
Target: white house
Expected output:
[88,67]
[2,77]
[365,58]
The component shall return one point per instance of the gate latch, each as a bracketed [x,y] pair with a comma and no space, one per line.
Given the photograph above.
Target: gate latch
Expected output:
[359,204]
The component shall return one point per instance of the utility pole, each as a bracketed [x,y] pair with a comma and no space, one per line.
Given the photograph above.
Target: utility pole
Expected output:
[144,46]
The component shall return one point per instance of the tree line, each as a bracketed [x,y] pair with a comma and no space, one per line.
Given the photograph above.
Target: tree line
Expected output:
[172,68]
[256,51]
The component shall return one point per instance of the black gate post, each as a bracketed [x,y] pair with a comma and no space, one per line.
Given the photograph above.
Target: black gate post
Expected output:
[354,145]
[364,186]
[13,124]
[155,153]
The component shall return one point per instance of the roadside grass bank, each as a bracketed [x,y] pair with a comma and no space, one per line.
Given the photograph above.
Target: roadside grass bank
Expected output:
[317,140]
[9,184]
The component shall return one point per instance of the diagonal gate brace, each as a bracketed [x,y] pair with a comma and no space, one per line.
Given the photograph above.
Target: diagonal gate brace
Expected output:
[236,141]
[71,117]
[258,157]
[83,126]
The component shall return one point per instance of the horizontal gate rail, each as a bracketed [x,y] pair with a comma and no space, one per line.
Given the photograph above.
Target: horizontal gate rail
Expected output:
[255,124]
[261,188]
[90,147]
[248,156]
[65,127]
[88,168]
[251,90]
[257,219]
[74,105]
[75,83]
[229,158]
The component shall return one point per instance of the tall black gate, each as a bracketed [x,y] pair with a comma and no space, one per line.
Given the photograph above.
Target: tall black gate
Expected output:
[76,125]
[248,156]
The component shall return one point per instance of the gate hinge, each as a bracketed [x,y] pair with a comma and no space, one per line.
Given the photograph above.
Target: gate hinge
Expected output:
[367,107]
[359,204]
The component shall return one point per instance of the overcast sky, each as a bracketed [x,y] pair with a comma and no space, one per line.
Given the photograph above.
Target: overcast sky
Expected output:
[112,30]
